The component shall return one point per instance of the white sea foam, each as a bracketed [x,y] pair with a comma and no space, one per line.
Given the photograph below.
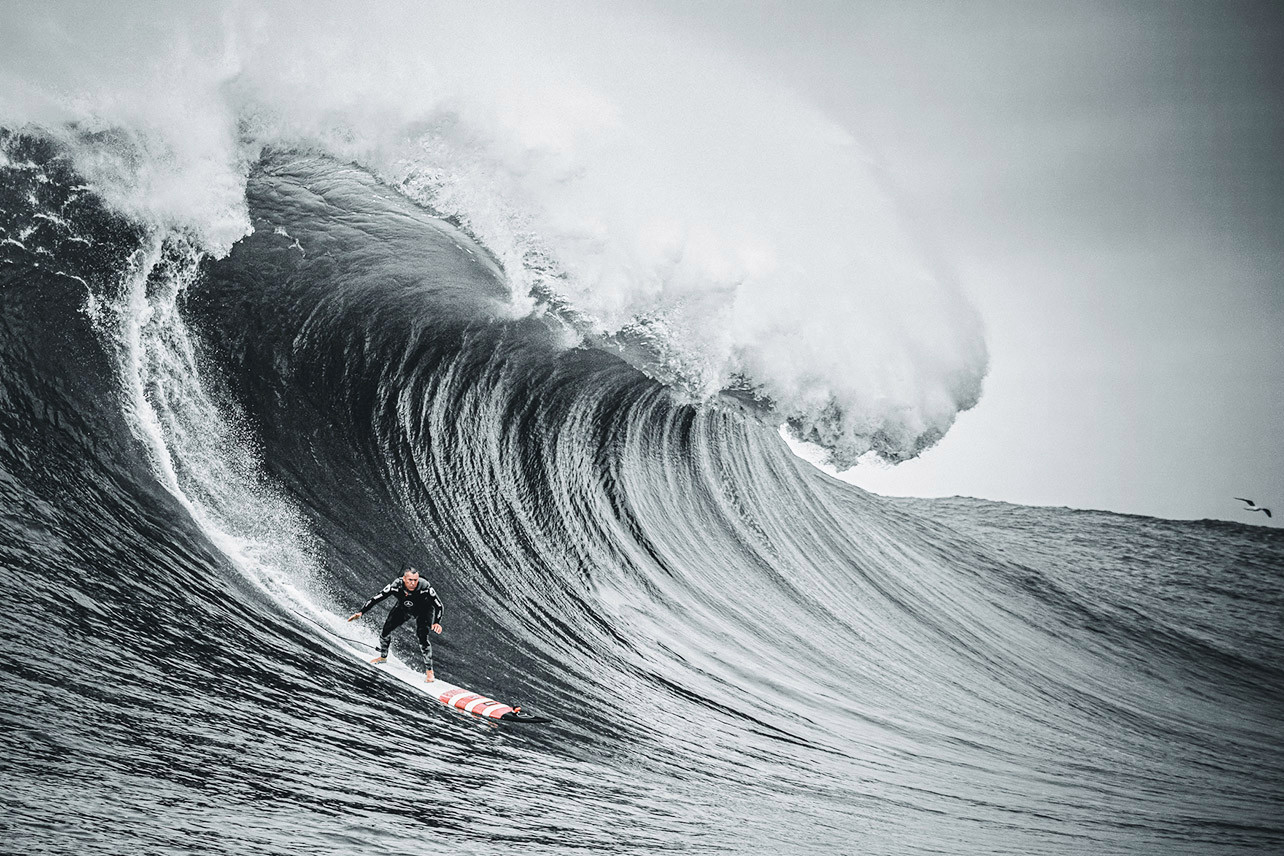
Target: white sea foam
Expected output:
[646,178]
[197,444]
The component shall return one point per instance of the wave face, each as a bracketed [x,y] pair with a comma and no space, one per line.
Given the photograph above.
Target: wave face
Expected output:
[647,188]
[209,459]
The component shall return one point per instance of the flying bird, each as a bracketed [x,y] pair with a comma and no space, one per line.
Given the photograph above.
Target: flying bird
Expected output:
[1253,506]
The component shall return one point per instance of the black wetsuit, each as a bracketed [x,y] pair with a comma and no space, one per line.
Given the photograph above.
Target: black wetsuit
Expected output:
[422,603]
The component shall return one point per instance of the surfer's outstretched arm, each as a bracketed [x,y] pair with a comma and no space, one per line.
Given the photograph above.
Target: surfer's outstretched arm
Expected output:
[387,590]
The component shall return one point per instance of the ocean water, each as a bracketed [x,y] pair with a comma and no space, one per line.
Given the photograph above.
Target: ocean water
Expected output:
[208,460]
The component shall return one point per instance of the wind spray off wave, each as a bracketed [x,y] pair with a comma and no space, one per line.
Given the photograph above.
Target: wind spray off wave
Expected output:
[652,192]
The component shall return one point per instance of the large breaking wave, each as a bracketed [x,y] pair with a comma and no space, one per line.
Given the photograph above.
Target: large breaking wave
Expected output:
[726,234]
[269,335]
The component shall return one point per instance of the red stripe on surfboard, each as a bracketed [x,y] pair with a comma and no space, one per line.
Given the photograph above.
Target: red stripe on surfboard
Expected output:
[477,704]
[474,703]
[463,701]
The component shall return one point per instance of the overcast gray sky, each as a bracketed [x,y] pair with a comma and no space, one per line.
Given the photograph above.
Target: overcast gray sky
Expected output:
[1106,180]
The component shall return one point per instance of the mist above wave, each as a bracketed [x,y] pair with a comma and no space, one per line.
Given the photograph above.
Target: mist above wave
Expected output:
[643,179]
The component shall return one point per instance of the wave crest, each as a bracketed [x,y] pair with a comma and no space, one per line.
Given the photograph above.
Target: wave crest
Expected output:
[690,202]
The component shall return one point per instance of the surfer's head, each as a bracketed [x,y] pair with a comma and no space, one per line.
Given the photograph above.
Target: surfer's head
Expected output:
[410,578]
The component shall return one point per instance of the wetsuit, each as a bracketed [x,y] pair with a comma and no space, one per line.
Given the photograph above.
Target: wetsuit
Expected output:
[422,603]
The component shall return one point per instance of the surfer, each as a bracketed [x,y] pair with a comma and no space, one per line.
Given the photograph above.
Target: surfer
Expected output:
[413,599]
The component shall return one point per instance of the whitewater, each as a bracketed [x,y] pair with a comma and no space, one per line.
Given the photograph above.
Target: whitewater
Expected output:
[279,313]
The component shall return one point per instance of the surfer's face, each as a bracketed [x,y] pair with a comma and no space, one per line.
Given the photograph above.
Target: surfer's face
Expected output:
[411,580]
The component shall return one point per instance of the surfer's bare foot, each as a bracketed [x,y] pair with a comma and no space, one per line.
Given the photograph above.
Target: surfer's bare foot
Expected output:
[428,676]
[379,659]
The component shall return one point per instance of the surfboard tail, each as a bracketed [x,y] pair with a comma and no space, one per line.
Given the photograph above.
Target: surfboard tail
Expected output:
[519,715]
[473,703]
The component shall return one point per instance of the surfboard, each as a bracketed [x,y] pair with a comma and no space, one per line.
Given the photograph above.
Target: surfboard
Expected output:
[443,692]
[476,704]
[452,695]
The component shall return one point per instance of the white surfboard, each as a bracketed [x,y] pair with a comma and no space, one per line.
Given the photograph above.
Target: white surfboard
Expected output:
[452,695]
[443,692]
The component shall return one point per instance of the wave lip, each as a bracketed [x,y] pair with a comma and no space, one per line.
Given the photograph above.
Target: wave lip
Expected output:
[693,204]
